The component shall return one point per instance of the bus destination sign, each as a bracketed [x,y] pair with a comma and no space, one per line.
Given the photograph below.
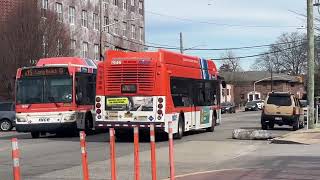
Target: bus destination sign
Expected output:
[46,71]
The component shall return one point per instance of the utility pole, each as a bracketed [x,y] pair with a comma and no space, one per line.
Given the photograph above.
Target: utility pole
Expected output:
[310,34]
[100,33]
[181,43]
[271,79]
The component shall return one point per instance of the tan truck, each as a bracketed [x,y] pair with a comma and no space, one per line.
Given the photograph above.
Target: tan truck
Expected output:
[282,108]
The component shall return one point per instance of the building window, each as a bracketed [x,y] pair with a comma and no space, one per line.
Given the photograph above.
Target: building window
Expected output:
[115,2]
[292,85]
[228,92]
[141,7]
[141,33]
[133,31]
[105,7]
[132,2]
[44,8]
[242,96]
[84,18]
[73,44]
[59,12]
[85,50]
[124,4]
[124,30]
[116,26]
[59,47]
[96,22]
[72,12]
[105,23]
[96,52]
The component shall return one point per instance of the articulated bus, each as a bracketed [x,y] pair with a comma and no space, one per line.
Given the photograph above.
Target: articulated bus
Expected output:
[56,96]
[139,88]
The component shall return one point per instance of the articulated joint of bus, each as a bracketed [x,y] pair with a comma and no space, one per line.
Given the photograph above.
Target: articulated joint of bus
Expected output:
[128,111]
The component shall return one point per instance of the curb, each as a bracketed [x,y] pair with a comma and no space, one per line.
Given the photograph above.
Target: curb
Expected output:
[282,139]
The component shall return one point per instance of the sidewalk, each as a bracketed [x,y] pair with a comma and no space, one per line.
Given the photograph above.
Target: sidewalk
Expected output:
[302,136]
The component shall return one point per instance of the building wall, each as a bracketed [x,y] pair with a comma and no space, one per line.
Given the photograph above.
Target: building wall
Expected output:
[7,6]
[241,91]
[110,39]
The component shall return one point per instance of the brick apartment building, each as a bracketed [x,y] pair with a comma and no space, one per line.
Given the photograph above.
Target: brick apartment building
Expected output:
[243,85]
[117,24]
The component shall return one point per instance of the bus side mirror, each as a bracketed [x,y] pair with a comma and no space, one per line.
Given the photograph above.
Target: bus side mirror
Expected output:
[224,85]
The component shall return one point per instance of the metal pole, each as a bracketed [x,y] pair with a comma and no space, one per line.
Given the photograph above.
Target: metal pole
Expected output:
[271,79]
[100,33]
[307,117]
[317,114]
[254,91]
[310,34]
[181,43]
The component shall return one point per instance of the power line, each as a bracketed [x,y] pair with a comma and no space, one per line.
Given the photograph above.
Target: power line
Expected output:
[170,47]
[244,47]
[220,24]
[256,55]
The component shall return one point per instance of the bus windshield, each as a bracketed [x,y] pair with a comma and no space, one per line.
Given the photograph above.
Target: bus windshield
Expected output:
[44,89]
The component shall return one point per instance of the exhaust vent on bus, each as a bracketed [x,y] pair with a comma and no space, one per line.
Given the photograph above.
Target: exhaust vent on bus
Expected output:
[131,72]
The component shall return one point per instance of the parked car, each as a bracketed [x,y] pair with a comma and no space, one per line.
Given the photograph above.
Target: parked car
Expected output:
[228,107]
[282,108]
[251,106]
[7,116]
[304,105]
[260,104]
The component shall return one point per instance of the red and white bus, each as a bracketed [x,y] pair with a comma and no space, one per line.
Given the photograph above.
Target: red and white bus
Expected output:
[139,88]
[56,95]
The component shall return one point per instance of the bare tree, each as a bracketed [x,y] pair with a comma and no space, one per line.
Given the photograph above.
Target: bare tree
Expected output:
[230,62]
[288,54]
[28,35]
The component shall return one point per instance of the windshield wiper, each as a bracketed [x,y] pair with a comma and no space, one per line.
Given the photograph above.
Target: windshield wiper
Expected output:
[51,99]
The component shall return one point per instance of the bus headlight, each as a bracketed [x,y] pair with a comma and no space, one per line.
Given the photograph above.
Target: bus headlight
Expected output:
[21,119]
[70,118]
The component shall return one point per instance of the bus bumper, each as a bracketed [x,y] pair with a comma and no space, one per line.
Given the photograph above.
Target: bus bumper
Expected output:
[46,127]
[127,125]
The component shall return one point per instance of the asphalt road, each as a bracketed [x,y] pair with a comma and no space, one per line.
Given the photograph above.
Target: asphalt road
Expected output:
[48,154]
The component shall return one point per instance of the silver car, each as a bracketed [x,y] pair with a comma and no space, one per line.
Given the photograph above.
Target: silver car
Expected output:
[7,116]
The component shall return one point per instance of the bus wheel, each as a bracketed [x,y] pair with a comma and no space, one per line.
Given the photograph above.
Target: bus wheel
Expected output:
[180,132]
[35,135]
[88,124]
[213,124]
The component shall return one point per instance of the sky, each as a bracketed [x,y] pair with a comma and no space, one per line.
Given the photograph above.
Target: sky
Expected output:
[222,24]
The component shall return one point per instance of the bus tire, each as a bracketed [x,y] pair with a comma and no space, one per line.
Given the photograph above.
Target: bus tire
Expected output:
[214,121]
[180,132]
[88,123]
[35,135]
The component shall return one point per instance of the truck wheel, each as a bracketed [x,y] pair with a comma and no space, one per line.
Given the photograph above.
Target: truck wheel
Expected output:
[271,125]
[5,125]
[35,135]
[295,125]
[180,132]
[264,125]
[301,125]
